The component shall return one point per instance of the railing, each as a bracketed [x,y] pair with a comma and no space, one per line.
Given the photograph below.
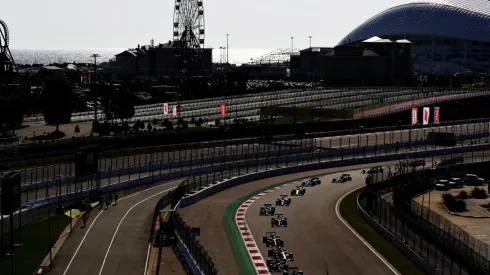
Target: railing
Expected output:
[201,186]
[434,243]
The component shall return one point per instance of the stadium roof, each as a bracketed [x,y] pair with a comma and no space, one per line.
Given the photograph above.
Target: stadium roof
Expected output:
[461,19]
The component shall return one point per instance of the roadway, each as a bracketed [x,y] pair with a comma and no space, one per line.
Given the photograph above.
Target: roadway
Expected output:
[38,174]
[115,241]
[334,250]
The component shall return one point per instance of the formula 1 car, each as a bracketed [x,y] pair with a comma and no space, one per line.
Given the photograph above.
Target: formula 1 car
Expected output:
[280,253]
[298,191]
[271,239]
[449,162]
[267,210]
[279,221]
[292,271]
[283,200]
[311,182]
[372,170]
[342,178]
[414,163]
[276,265]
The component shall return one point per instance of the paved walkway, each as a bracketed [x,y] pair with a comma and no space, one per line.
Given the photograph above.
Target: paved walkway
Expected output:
[115,241]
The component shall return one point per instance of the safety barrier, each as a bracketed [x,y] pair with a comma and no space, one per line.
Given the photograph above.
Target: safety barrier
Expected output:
[435,244]
[191,192]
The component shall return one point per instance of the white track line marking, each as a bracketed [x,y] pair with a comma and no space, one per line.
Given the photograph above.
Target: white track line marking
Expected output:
[120,222]
[90,227]
[337,211]
[147,258]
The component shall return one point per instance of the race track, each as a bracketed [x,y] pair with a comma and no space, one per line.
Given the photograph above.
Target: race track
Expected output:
[115,241]
[319,240]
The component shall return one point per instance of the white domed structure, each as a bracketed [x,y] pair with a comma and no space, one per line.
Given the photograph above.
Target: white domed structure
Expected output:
[448,36]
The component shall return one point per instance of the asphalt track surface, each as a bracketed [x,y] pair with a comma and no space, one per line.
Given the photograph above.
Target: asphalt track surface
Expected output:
[319,234]
[319,240]
[115,241]
[34,175]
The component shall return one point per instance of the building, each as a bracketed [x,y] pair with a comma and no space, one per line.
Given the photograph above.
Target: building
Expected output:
[375,61]
[448,36]
[164,60]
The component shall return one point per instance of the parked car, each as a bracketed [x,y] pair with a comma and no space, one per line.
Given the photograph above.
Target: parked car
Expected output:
[442,185]
[473,180]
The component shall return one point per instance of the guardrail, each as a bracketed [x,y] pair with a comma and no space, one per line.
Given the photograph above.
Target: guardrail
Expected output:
[435,244]
[201,186]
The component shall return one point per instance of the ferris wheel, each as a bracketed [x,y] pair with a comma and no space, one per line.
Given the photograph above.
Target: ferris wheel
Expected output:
[189,23]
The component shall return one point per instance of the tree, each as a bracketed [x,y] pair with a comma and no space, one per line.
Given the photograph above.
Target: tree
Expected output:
[13,107]
[57,102]
[123,106]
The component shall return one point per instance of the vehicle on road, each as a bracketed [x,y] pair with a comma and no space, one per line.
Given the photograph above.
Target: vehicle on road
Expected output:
[449,162]
[276,265]
[283,200]
[473,180]
[343,178]
[298,191]
[372,170]
[311,182]
[414,163]
[279,221]
[292,271]
[280,253]
[267,210]
[271,239]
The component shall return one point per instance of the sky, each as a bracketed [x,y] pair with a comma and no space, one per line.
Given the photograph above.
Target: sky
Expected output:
[251,24]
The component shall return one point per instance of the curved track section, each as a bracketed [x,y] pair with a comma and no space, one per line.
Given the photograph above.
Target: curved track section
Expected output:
[248,239]
[315,234]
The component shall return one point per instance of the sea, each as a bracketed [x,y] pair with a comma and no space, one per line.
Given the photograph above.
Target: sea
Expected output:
[48,56]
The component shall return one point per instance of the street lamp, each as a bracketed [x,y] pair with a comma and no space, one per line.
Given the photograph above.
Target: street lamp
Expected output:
[310,40]
[227,47]
[94,56]
[292,44]
[220,55]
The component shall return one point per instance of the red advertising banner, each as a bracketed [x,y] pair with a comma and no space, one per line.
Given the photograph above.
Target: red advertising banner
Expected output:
[436,115]
[426,115]
[165,108]
[223,110]
[415,115]
[174,110]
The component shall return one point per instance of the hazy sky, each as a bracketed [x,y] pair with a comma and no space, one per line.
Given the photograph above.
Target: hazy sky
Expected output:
[91,24]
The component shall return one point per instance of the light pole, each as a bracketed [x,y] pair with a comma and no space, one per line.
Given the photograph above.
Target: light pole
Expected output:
[292,44]
[94,56]
[227,47]
[310,40]
[221,55]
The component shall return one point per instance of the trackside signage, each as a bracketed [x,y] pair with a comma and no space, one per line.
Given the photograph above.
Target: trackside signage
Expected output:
[426,115]
[223,110]
[436,115]
[174,110]
[415,116]
[165,108]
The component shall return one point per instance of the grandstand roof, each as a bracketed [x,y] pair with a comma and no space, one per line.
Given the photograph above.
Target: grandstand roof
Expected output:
[461,19]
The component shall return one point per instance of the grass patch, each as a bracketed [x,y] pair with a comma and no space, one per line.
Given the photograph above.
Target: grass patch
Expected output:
[35,245]
[348,210]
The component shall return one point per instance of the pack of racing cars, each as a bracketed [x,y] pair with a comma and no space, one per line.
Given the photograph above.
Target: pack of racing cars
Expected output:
[278,257]
[283,200]
[342,178]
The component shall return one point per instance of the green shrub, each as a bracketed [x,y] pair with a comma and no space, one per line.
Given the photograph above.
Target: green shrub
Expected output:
[463,195]
[478,193]
[452,204]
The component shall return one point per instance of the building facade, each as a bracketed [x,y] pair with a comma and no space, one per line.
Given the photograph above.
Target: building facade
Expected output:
[162,60]
[448,36]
